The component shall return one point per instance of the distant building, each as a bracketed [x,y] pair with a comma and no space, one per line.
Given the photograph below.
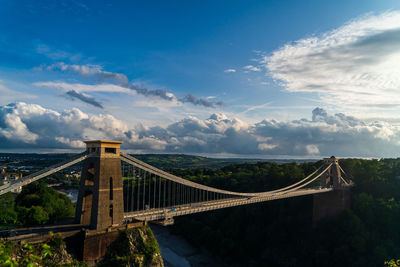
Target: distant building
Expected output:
[5,176]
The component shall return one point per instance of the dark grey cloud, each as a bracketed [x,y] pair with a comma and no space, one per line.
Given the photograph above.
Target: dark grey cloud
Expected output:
[84,98]
[161,93]
[102,76]
[190,98]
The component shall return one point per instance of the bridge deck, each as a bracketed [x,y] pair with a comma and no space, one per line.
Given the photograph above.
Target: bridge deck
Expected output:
[163,213]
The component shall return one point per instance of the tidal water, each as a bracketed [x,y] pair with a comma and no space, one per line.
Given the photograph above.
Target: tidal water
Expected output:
[71,193]
[178,252]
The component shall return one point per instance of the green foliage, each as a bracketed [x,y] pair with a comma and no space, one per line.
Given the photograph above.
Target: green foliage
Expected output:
[33,215]
[23,255]
[181,161]
[50,253]
[280,233]
[6,258]
[38,204]
[392,263]
[8,216]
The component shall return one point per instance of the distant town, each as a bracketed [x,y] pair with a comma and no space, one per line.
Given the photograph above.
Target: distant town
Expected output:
[17,166]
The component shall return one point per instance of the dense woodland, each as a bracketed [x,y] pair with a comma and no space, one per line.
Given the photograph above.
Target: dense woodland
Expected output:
[280,233]
[36,204]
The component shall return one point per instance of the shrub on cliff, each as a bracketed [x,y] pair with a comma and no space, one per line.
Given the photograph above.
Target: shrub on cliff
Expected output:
[134,247]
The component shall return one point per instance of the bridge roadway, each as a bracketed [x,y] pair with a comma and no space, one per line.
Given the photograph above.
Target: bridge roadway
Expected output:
[40,233]
[9,187]
[167,213]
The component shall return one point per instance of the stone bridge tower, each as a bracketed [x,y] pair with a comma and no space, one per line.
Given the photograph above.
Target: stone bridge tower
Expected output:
[332,203]
[332,178]
[100,199]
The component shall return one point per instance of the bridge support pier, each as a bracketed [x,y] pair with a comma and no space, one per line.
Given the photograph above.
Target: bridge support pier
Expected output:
[95,243]
[331,204]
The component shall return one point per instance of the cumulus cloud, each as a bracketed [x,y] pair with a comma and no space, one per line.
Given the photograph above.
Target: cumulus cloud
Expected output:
[32,126]
[357,64]
[84,98]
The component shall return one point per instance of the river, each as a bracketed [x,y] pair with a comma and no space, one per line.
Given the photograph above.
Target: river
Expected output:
[177,252]
[71,193]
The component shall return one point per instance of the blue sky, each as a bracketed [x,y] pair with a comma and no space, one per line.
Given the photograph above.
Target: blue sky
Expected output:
[222,78]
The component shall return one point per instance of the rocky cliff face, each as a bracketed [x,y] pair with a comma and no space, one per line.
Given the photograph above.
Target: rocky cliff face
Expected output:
[134,247]
[52,252]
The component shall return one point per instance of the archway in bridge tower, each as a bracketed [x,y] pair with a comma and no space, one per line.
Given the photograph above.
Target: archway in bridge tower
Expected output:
[326,179]
[87,207]
[89,179]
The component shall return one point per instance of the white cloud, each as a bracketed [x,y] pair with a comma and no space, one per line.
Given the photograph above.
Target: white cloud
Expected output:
[230,70]
[265,146]
[312,149]
[356,65]
[89,70]
[70,143]
[251,68]
[32,126]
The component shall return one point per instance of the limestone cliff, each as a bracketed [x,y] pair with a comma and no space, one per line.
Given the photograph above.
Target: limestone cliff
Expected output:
[134,247]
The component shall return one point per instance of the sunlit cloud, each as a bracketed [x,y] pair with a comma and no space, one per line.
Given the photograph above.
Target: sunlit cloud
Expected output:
[251,68]
[356,65]
[32,126]
[230,70]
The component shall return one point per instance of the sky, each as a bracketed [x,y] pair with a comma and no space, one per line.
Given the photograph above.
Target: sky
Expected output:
[262,79]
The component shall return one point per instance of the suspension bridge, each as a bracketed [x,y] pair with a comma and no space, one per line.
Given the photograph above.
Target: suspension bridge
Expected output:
[145,193]
[117,189]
